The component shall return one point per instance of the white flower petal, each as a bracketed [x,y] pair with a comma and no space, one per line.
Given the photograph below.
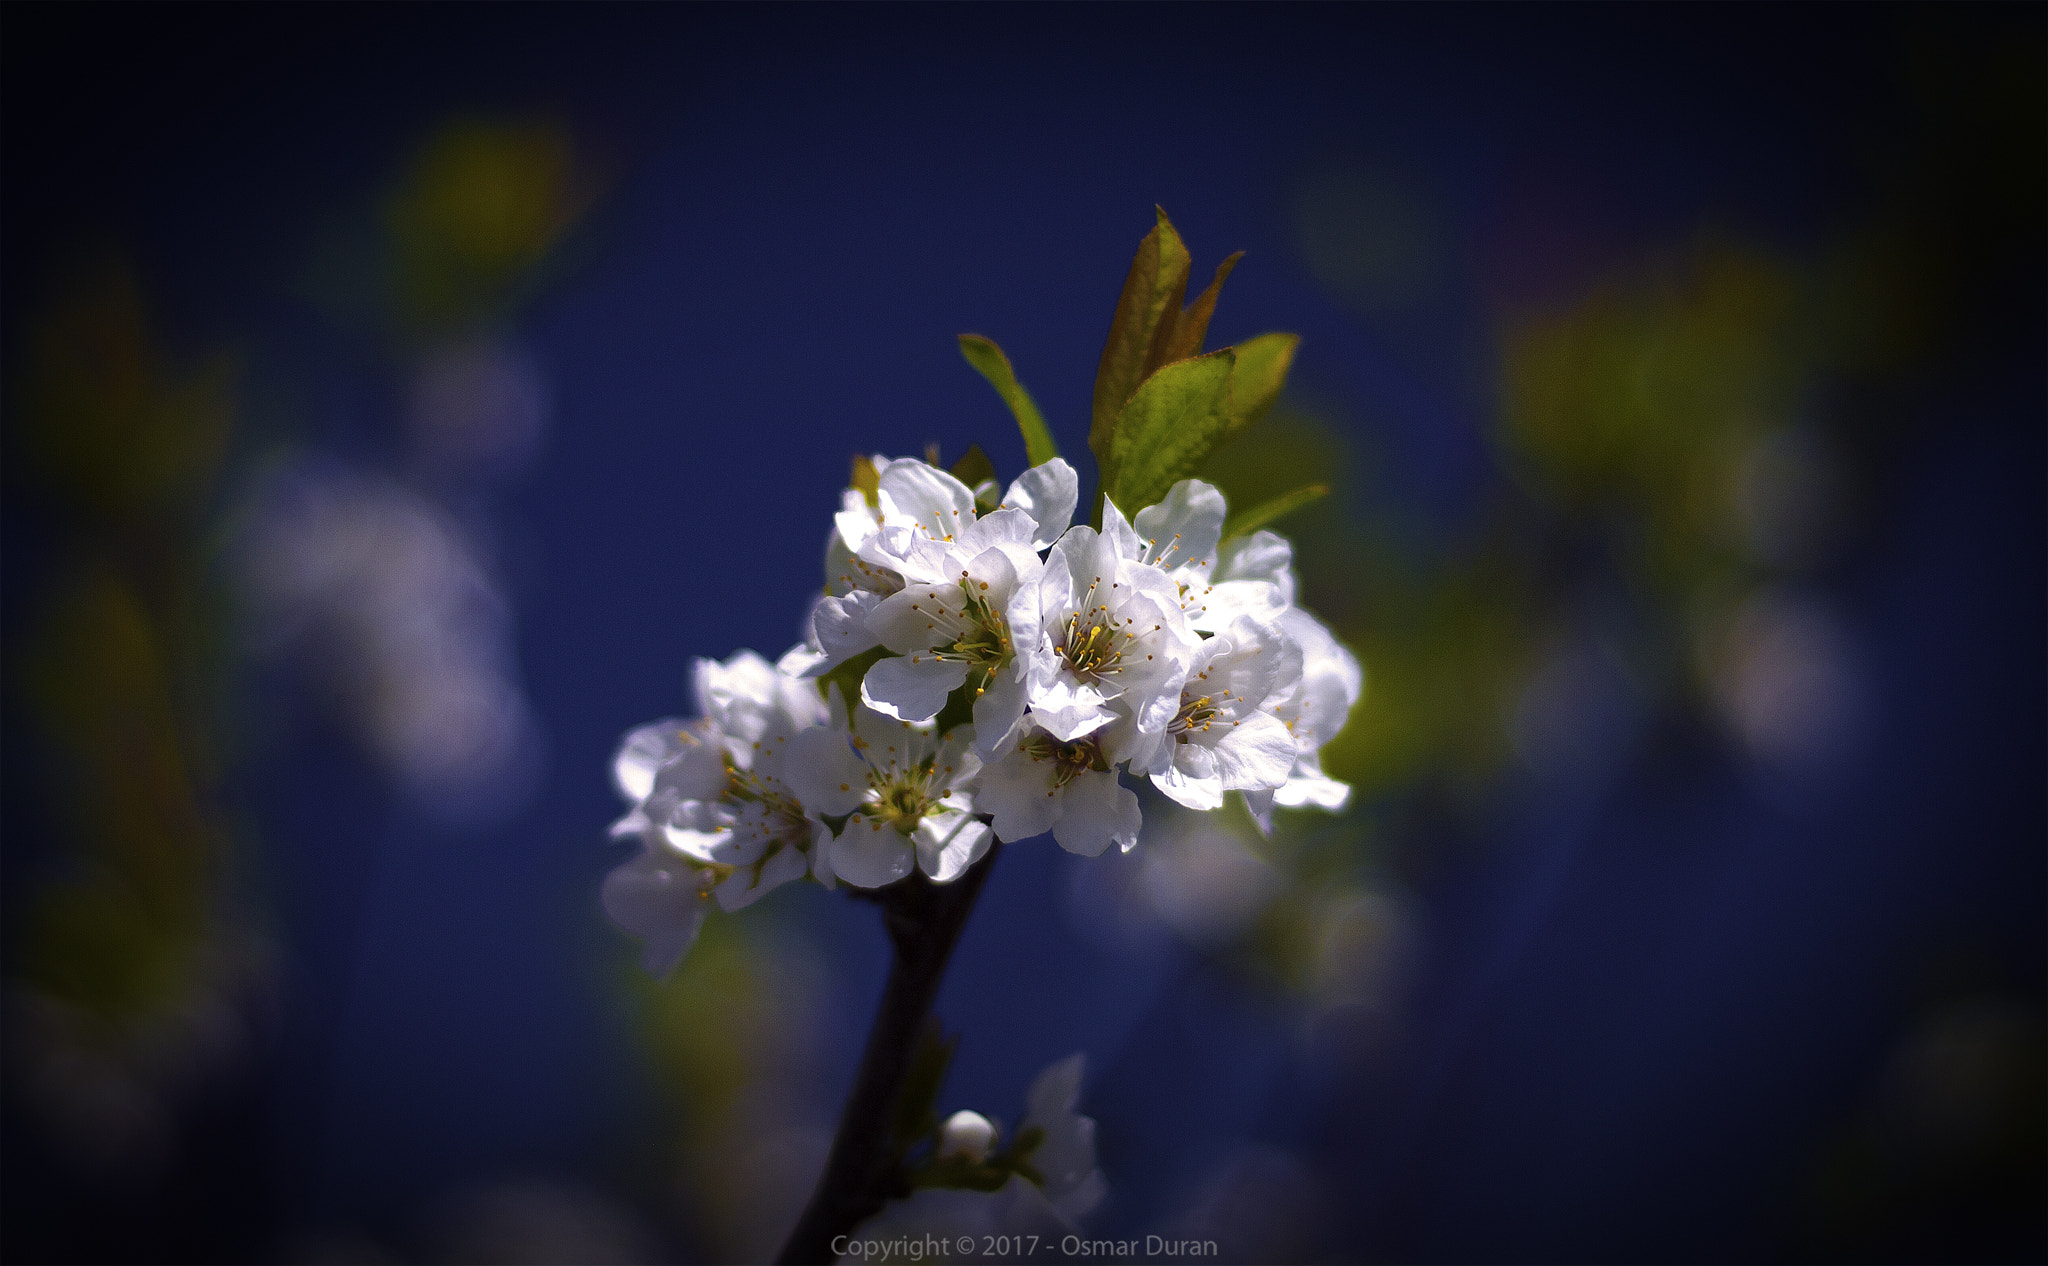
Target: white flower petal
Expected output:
[821,856]
[1256,754]
[1191,779]
[803,660]
[1184,528]
[719,846]
[1048,493]
[1094,810]
[869,854]
[1066,1154]
[928,497]
[911,688]
[645,750]
[742,889]
[1262,556]
[1313,791]
[901,623]
[948,842]
[1260,803]
[634,823]
[1218,605]
[839,628]
[658,900]
[999,713]
[1008,530]
[1117,530]
[1018,792]
[697,773]
[825,774]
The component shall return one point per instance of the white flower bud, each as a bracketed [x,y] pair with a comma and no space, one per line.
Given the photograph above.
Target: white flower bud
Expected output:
[967,1135]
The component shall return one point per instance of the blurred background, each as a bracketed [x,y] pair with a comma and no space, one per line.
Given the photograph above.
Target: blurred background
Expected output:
[397,399]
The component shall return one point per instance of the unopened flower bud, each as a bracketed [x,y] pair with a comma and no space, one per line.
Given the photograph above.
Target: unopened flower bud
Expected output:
[967,1135]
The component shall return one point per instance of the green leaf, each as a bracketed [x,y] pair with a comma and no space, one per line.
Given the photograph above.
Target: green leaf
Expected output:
[847,676]
[974,468]
[1177,416]
[1262,365]
[1189,328]
[985,356]
[1152,293]
[1286,503]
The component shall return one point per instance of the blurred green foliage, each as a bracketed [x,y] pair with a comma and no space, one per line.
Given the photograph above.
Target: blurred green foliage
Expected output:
[466,233]
[122,654]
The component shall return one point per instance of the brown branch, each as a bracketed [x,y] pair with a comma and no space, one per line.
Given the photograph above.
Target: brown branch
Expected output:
[923,920]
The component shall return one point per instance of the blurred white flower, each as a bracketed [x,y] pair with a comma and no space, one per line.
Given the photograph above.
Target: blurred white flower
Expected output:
[384,590]
[1065,1156]
[1055,1181]
[1331,683]
[711,805]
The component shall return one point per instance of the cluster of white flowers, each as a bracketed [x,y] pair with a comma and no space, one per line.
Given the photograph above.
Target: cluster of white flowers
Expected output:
[1153,646]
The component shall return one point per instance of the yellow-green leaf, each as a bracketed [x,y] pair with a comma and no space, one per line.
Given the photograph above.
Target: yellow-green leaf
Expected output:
[1286,503]
[985,356]
[1168,427]
[1152,293]
[974,467]
[1190,327]
[849,675]
[1262,365]
[866,480]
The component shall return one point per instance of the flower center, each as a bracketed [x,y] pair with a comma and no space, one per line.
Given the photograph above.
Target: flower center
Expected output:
[1090,642]
[1197,712]
[901,796]
[1069,759]
[762,806]
[974,633]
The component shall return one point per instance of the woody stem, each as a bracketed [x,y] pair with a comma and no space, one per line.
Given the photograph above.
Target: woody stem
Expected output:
[923,920]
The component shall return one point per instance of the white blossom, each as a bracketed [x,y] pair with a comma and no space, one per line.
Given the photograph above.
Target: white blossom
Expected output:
[1220,739]
[1154,647]
[1111,640]
[912,499]
[1218,580]
[1253,575]
[1331,683]
[906,791]
[1070,788]
[1065,1156]
[1063,1186]
[951,625]
[711,809]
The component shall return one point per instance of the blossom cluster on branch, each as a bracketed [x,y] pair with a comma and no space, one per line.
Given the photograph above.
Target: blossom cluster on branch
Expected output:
[997,669]
[980,667]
